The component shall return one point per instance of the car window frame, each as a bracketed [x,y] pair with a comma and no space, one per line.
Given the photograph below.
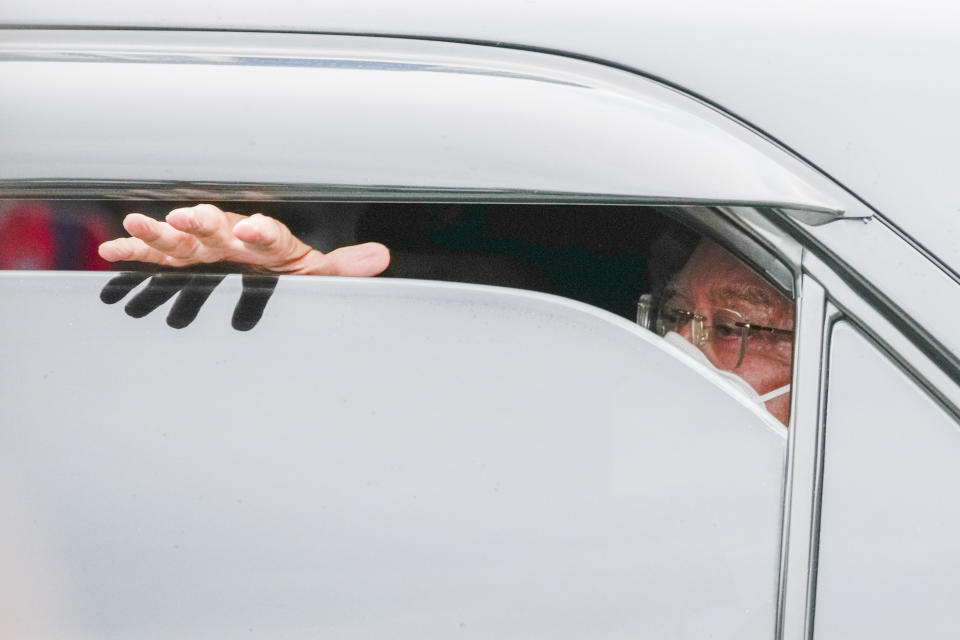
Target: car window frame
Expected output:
[771,175]
[826,297]
[742,227]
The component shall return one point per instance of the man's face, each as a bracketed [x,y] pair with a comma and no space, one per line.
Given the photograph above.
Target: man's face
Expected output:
[713,280]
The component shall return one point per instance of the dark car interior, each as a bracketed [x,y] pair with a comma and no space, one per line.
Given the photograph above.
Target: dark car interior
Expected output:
[606,256]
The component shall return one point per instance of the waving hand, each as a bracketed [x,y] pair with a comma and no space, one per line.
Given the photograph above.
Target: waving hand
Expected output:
[204,234]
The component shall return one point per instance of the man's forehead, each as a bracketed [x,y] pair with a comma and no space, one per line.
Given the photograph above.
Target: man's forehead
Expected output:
[725,279]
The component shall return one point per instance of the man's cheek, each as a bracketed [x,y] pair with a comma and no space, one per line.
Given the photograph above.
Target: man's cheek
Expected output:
[768,373]
[760,373]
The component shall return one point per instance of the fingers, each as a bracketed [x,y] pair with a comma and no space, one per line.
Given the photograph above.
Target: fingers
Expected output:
[209,224]
[360,260]
[133,249]
[368,259]
[262,233]
[269,243]
[162,237]
[205,233]
[190,235]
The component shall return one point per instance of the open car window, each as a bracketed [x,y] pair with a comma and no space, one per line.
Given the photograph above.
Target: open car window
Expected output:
[322,133]
[606,256]
[416,452]
[638,262]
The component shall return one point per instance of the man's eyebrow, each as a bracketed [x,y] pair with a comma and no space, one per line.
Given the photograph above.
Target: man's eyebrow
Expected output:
[745,292]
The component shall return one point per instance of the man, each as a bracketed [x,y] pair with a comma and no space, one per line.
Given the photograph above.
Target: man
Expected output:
[737,320]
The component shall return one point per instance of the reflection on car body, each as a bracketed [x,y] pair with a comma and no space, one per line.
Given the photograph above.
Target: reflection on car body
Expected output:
[192,290]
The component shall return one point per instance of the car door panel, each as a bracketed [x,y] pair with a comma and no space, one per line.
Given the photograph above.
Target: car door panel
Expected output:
[376,457]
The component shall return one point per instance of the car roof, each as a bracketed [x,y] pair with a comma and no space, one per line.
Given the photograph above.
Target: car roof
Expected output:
[865,90]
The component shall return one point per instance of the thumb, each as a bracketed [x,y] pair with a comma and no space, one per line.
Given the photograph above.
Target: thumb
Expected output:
[368,259]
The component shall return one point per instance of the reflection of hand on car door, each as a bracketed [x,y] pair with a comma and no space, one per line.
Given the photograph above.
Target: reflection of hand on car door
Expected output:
[204,234]
[192,291]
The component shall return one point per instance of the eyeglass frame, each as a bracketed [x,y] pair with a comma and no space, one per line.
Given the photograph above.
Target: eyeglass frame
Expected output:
[649,308]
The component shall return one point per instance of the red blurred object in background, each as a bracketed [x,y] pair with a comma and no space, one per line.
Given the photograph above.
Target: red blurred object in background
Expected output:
[44,235]
[27,237]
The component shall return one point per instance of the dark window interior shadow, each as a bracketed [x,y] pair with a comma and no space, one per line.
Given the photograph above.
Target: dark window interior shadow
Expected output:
[606,256]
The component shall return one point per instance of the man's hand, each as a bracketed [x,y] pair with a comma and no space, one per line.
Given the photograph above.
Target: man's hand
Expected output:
[204,234]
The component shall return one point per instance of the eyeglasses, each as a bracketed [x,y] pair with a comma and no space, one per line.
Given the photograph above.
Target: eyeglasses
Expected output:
[729,334]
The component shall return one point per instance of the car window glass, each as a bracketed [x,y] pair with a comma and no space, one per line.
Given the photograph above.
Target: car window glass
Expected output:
[888,560]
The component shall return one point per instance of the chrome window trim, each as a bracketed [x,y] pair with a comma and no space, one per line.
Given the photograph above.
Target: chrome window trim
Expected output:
[844,257]
[878,327]
[804,447]
[70,189]
[919,297]
[775,254]
[636,119]
[807,433]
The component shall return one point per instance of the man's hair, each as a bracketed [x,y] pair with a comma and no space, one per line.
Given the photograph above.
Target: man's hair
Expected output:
[668,253]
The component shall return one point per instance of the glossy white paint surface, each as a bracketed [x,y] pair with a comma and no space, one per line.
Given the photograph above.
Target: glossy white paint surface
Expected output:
[926,295]
[257,108]
[866,90]
[889,563]
[374,458]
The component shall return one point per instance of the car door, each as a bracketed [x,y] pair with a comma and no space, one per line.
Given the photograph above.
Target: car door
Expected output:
[873,550]
[381,456]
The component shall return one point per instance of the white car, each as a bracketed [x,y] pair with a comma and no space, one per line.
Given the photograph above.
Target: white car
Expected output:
[431,455]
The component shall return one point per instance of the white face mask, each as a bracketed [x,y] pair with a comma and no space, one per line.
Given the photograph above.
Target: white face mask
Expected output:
[686,346]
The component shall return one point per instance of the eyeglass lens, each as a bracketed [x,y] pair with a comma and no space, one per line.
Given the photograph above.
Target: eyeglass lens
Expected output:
[728,334]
